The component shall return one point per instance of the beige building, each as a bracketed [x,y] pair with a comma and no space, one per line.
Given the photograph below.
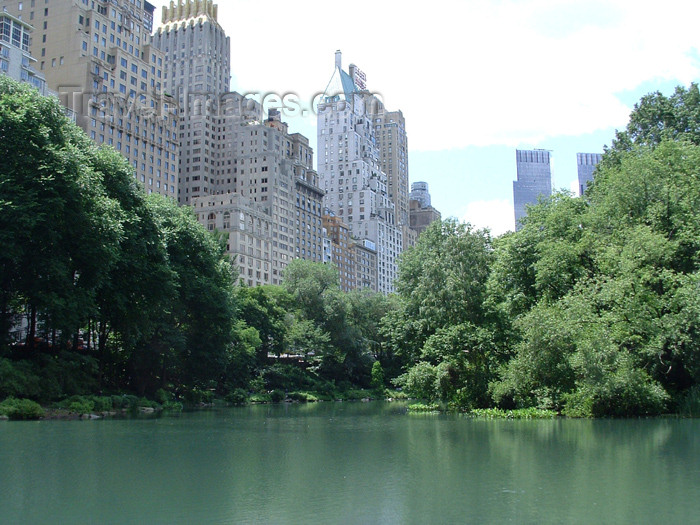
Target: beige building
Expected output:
[365,256]
[97,55]
[264,176]
[392,144]
[342,251]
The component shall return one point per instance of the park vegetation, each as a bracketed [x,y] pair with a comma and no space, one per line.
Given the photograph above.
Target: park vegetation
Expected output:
[110,298]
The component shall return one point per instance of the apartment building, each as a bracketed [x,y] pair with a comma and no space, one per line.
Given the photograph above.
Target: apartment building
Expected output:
[350,170]
[97,55]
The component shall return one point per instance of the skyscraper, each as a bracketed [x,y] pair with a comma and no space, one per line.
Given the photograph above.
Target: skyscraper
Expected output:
[197,56]
[534,180]
[349,166]
[98,57]
[587,163]
[392,144]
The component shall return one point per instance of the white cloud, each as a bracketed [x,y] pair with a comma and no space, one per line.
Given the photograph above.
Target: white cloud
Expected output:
[496,215]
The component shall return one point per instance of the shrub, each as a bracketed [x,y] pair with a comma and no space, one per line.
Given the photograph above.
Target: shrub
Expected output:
[77,404]
[163,396]
[21,409]
[17,378]
[422,381]
[520,413]
[277,396]
[237,397]
[690,403]
[421,407]
[102,403]
[377,374]
[197,396]
[260,398]
[174,406]
[147,403]
[303,397]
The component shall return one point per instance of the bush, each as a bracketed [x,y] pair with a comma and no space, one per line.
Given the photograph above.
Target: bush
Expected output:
[102,403]
[303,397]
[197,396]
[422,381]
[628,392]
[18,378]
[690,403]
[163,396]
[277,396]
[421,407]
[77,404]
[521,413]
[260,398]
[286,377]
[147,403]
[175,406]
[21,409]
[377,375]
[237,397]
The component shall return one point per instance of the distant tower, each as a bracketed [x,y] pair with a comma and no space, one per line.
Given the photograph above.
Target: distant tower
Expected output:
[534,174]
[420,193]
[587,163]
[422,214]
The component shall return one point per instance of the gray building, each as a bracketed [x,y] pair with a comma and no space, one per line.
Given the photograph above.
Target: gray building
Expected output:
[350,169]
[420,193]
[534,180]
[587,163]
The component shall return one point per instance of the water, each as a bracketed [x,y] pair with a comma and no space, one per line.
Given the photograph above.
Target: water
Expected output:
[348,463]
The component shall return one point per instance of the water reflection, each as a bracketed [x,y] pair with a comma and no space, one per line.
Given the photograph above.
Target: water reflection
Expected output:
[348,463]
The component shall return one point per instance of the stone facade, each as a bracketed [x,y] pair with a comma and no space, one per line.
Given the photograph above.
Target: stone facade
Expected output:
[97,55]
[350,170]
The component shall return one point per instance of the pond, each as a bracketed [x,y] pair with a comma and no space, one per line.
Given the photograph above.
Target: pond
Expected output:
[362,463]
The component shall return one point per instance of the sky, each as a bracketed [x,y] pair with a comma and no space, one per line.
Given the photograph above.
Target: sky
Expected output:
[475,79]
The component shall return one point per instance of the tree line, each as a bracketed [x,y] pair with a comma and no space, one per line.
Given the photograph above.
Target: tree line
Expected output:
[591,309]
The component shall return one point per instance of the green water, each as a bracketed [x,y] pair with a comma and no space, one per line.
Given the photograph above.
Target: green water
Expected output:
[348,463]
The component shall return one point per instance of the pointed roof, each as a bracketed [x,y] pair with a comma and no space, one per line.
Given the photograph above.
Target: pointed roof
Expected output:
[340,87]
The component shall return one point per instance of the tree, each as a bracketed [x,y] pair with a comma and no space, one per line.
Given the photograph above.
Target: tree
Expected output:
[59,229]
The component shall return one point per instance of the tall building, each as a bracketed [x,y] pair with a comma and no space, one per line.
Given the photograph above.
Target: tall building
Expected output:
[16,61]
[392,144]
[97,55]
[264,197]
[349,166]
[587,163]
[422,214]
[196,49]
[197,67]
[534,180]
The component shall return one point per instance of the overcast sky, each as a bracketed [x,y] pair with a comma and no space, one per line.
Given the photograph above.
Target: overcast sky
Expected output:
[475,79]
